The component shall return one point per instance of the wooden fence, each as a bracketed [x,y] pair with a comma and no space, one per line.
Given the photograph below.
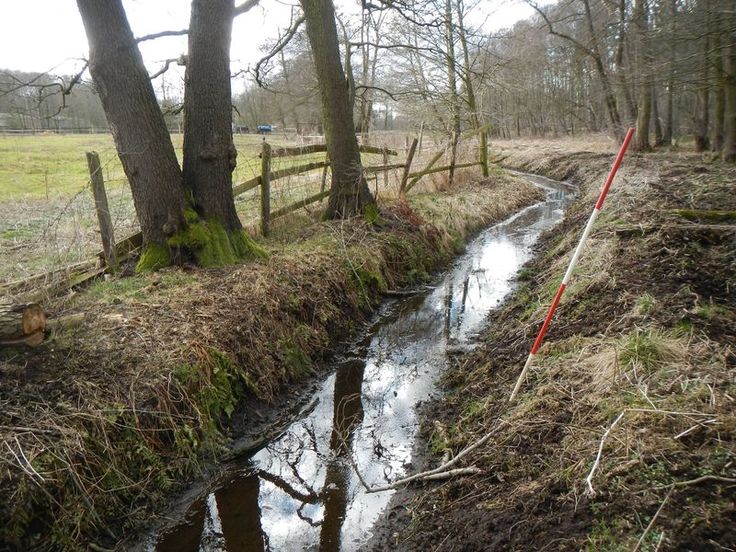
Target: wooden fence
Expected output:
[113,254]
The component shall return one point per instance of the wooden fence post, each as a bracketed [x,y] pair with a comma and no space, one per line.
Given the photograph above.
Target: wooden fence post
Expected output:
[407,167]
[102,208]
[385,173]
[484,153]
[265,189]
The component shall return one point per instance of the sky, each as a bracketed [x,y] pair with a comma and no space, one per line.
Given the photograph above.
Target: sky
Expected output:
[47,35]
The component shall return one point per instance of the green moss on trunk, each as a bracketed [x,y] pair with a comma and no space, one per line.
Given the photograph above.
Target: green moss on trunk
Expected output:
[212,246]
[207,242]
[155,256]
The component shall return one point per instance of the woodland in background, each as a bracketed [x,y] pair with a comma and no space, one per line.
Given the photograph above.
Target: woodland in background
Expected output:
[577,66]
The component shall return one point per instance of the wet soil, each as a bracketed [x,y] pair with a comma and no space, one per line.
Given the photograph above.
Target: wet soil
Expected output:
[531,494]
[301,490]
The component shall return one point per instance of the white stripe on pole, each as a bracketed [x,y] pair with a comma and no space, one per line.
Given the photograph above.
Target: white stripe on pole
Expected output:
[573,262]
[581,244]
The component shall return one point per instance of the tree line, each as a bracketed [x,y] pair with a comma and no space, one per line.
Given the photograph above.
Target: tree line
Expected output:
[667,66]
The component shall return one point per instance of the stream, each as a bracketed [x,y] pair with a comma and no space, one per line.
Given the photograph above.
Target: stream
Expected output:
[301,492]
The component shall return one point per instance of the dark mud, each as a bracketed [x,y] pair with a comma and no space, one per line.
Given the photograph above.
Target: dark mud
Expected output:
[662,284]
[300,491]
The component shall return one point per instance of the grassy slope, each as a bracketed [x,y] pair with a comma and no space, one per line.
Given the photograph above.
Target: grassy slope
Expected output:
[115,412]
[647,328]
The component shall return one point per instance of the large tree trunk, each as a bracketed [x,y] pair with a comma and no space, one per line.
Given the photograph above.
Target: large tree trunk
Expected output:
[719,93]
[669,115]
[729,67]
[349,194]
[702,122]
[643,58]
[209,153]
[136,122]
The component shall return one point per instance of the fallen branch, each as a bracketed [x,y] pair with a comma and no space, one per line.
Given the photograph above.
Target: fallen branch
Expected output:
[589,479]
[442,472]
[651,522]
[701,479]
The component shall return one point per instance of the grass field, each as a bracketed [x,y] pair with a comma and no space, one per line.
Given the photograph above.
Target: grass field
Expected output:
[54,165]
[47,217]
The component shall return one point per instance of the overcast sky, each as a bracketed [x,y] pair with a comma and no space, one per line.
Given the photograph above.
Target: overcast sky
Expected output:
[47,35]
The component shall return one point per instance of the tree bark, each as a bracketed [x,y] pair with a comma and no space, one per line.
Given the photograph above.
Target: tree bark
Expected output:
[644,109]
[658,134]
[729,67]
[349,193]
[209,152]
[669,117]
[137,124]
[702,122]
[719,92]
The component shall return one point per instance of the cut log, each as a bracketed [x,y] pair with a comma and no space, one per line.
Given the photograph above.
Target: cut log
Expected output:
[22,324]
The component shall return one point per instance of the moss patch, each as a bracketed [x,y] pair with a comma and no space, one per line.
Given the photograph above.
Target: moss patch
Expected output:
[154,257]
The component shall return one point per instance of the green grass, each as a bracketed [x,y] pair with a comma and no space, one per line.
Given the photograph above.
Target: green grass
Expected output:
[55,165]
[645,304]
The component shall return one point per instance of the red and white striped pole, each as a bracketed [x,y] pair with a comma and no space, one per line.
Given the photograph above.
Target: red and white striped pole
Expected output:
[573,262]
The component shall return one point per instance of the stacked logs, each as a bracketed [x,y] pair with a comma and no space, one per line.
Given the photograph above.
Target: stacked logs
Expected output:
[22,324]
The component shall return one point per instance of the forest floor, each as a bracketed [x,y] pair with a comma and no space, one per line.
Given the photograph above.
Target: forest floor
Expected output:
[142,378]
[638,363]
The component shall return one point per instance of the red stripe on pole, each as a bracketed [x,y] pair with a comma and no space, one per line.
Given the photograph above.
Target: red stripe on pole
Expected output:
[614,169]
[548,320]
[573,261]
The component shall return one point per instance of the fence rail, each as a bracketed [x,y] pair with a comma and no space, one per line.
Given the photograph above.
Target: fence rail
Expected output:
[114,253]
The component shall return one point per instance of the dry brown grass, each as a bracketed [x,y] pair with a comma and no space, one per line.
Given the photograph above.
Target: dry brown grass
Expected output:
[643,330]
[111,413]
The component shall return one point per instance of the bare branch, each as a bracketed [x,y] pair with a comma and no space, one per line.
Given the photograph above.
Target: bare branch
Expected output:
[245,7]
[276,49]
[167,64]
[579,45]
[162,34]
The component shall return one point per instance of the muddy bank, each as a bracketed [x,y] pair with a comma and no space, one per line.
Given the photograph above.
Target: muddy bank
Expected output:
[645,332]
[301,489]
[108,419]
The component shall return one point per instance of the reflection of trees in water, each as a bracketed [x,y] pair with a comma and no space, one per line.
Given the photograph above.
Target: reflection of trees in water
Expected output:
[347,415]
[232,520]
[228,520]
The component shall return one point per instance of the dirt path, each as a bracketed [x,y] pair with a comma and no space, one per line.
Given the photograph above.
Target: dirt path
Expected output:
[646,331]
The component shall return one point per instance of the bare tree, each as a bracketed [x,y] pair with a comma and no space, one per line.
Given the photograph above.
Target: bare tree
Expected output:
[349,194]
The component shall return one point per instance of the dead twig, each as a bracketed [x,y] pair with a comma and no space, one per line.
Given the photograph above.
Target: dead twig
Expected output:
[442,472]
[589,479]
[651,522]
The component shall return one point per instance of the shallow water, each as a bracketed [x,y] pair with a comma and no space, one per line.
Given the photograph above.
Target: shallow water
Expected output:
[301,491]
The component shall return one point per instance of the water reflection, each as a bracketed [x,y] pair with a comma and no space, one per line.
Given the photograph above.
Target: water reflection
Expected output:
[301,492]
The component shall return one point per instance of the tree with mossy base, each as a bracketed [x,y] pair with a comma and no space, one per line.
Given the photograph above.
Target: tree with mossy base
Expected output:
[182,215]
[349,194]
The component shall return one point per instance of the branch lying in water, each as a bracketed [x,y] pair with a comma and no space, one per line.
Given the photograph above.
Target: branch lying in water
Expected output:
[442,472]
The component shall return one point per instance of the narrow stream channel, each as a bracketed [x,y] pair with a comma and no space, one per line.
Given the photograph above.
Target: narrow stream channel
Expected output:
[300,492]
